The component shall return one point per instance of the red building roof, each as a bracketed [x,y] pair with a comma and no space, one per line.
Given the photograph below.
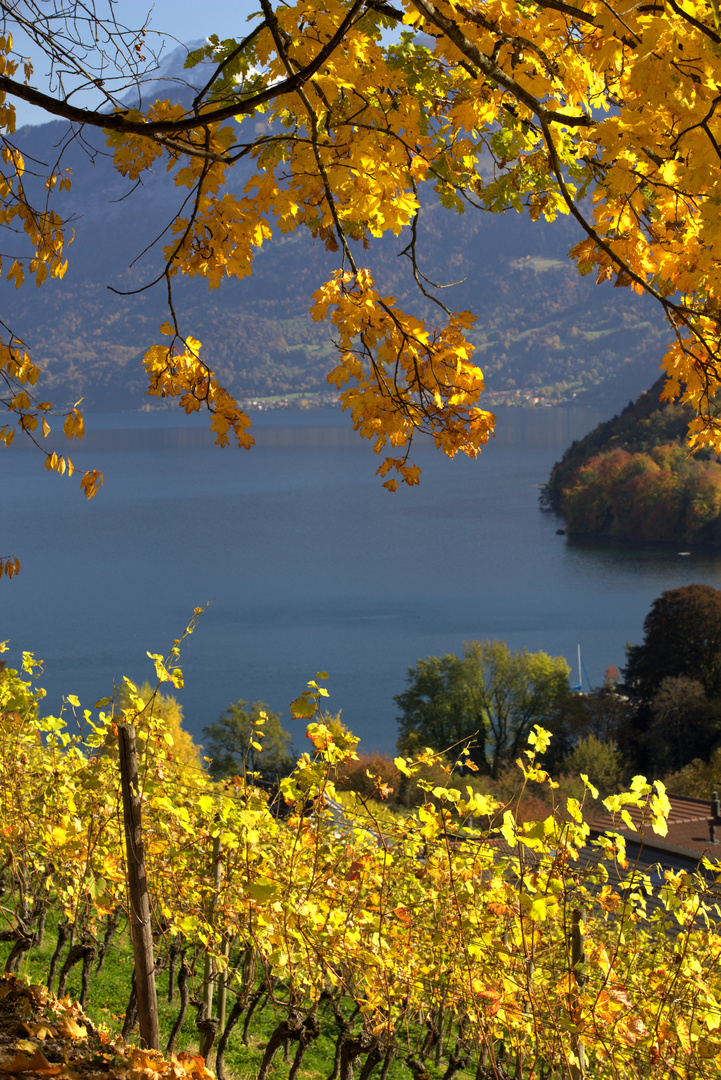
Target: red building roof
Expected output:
[690,824]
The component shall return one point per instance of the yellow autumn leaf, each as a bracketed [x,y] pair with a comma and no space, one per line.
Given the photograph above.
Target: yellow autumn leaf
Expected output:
[38,1064]
[68,1028]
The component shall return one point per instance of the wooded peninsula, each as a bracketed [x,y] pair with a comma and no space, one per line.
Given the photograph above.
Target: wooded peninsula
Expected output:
[633,478]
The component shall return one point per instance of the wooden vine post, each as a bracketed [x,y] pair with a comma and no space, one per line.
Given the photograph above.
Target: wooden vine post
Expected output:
[139,903]
[578,956]
[209,972]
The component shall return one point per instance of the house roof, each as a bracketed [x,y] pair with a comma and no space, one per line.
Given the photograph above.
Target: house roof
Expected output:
[689,836]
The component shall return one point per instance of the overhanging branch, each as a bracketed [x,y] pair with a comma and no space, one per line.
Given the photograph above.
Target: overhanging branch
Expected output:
[493,71]
[122,123]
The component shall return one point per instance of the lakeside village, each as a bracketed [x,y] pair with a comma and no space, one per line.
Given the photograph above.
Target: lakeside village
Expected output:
[329,400]
[491,398]
[325,400]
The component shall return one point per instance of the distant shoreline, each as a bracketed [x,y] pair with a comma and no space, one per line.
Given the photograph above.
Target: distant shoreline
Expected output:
[304,402]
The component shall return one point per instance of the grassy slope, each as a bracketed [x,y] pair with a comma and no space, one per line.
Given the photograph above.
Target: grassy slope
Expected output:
[109,994]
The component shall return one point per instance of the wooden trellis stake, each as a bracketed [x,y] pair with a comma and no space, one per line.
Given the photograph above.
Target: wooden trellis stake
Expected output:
[141,930]
[578,956]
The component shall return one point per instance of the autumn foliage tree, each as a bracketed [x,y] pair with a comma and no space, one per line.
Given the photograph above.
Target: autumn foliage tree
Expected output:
[164,708]
[602,111]
[659,495]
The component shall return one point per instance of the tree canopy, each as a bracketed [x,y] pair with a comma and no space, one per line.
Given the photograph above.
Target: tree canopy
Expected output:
[600,761]
[251,739]
[674,679]
[632,478]
[153,708]
[492,696]
[345,112]
[602,715]
[440,710]
[661,495]
[685,724]
[681,637]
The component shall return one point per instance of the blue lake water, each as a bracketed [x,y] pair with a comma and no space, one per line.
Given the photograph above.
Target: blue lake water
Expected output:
[309,563]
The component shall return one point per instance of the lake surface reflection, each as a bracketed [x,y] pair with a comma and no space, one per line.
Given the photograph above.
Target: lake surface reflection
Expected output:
[310,563]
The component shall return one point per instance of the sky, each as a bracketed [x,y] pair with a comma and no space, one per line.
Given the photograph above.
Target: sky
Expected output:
[171,22]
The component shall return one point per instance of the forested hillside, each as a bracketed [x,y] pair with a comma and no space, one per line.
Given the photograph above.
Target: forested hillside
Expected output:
[632,478]
[543,334]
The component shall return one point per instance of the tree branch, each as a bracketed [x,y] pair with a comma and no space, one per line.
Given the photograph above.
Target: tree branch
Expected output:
[121,122]
[228,60]
[492,70]
[567,9]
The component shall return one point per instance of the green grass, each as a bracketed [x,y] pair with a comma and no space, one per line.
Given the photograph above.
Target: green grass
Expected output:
[110,990]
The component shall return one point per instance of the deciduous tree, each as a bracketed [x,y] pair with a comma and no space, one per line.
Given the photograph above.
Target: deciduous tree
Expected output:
[602,713]
[440,709]
[492,694]
[660,495]
[681,637]
[600,761]
[698,778]
[345,111]
[684,724]
[515,690]
[682,641]
[240,740]
[167,709]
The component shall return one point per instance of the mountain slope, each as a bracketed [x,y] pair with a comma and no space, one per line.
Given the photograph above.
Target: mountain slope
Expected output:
[543,333]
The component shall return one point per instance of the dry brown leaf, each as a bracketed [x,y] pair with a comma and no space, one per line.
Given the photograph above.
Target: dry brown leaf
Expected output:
[192,1064]
[146,1064]
[71,1029]
[40,1030]
[620,996]
[145,1059]
[637,1027]
[38,1063]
